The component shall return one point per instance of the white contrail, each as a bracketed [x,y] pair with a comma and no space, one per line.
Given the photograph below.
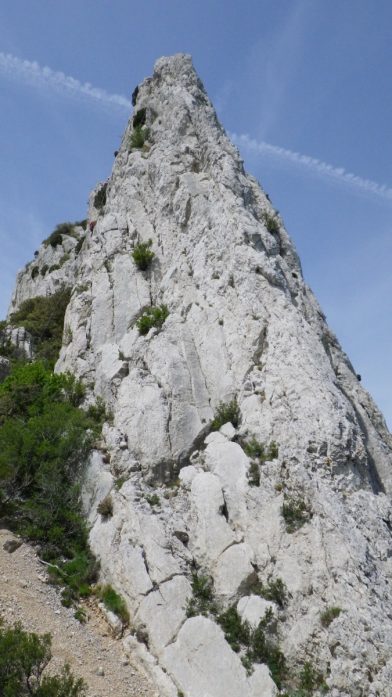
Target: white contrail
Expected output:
[35,74]
[339,174]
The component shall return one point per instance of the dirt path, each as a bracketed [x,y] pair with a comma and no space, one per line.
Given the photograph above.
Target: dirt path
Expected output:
[91,651]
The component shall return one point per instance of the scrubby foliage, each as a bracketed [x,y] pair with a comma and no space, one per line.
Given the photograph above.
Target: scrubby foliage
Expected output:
[100,197]
[256,644]
[271,223]
[140,118]
[224,413]
[23,659]
[43,318]
[114,602]
[260,451]
[274,590]
[329,615]
[7,348]
[152,317]
[296,512]
[153,499]
[81,223]
[202,601]
[138,137]
[142,255]
[105,507]
[44,441]
[56,236]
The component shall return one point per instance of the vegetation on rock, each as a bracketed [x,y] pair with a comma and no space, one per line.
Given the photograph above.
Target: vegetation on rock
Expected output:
[152,317]
[56,237]
[105,507]
[226,412]
[202,601]
[274,590]
[256,644]
[138,137]
[113,602]
[142,255]
[329,615]
[100,197]
[43,318]
[271,223]
[295,512]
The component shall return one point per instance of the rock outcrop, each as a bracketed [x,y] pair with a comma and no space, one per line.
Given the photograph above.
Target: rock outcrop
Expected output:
[242,329]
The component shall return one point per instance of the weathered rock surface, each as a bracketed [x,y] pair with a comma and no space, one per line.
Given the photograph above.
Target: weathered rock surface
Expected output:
[242,324]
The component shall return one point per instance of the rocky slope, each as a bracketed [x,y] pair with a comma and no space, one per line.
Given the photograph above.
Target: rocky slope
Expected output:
[91,651]
[243,328]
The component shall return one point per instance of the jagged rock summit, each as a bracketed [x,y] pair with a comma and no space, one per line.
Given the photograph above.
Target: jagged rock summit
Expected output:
[238,326]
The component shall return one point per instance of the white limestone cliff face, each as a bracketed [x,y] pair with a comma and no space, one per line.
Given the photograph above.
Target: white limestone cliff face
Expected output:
[242,324]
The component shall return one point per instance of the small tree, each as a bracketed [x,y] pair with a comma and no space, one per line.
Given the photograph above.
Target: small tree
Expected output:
[23,658]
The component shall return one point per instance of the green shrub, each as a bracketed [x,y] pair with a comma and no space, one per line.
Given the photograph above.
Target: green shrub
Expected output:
[105,507]
[114,602]
[296,513]
[153,499]
[224,413]
[34,272]
[100,197]
[56,237]
[8,349]
[273,590]
[310,679]
[237,632]
[97,412]
[119,482]
[202,601]
[80,615]
[153,317]
[43,318]
[142,255]
[138,137]
[23,659]
[140,118]
[271,223]
[44,442]
[259,451]
[44,269]
[54,267]
[81,223]
[256,643]
[329,615]
[254,474]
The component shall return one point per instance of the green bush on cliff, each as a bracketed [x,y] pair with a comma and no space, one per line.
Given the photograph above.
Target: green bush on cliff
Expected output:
[43,318]
[142,255]
[152,317]
[226,412]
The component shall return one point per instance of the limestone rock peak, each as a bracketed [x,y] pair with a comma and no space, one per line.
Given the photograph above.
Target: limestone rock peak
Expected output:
[238,328]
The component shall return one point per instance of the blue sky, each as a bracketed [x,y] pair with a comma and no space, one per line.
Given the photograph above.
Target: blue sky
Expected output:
[302,84]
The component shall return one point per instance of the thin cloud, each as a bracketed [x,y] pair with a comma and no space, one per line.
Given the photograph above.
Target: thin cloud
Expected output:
[339,174]
[36,75]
